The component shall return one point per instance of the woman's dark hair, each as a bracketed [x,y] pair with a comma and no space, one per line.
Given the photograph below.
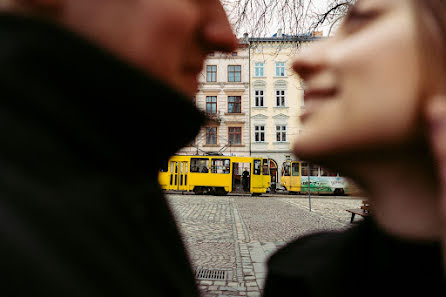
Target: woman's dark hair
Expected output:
[437,10]
[432,21]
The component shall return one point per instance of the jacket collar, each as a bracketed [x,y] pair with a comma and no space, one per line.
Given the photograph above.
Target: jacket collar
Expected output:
[104,109]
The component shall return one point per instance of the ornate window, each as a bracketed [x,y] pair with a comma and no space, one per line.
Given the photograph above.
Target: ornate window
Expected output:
[259,69]
[235,135]
[259,133]
[259,98]
[211,104]
[234,73]
[211,73]
[280,69]
[234,104]
[211,135]
[281,133]
[280,98]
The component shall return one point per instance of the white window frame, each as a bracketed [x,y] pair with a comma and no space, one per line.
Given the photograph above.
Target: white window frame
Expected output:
[280,98]
[259,98]
[280,69]
[281,133]
[259,69]
[259,131]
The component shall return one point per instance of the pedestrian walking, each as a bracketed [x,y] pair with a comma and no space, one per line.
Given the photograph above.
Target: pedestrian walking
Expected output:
[89,88]
[245,180]
[367,90]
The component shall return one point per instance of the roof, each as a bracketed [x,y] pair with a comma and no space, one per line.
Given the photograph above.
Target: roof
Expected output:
[310,36]
[286,38]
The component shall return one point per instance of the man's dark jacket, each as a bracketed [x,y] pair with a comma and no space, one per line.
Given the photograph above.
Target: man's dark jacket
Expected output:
[82,136]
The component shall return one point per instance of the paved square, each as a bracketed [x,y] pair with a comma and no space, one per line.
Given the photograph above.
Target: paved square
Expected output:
[239,233]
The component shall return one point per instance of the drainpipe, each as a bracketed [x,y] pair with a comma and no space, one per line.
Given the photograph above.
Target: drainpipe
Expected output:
[249,92]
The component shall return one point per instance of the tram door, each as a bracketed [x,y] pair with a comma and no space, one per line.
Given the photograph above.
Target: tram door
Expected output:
[295,180]
[241,177]
[178,175]
[256,179]
[293,168]
[273,171]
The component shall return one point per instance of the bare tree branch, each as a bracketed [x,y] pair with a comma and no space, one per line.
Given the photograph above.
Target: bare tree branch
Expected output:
[263,17]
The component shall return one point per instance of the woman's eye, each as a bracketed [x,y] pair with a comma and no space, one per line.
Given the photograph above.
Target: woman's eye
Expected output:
[357,19]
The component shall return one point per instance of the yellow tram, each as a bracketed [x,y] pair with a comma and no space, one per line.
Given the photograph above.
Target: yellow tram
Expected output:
[291,177]
[216,174]
[302,177]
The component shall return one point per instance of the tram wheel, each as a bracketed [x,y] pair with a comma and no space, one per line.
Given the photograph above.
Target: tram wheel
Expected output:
[198,191]
[339,192]
[220,192]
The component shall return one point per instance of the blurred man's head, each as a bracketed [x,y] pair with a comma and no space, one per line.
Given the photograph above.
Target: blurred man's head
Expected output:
[166,38]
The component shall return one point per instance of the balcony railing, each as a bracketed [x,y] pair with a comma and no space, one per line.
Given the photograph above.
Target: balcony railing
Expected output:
[215,117]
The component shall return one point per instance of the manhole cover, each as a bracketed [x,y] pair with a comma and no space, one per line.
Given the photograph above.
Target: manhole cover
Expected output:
[213,274]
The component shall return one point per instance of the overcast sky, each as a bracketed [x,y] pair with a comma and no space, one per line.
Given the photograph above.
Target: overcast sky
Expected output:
[277,22]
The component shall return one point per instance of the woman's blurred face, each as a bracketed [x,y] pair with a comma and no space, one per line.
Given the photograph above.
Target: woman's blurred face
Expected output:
[363,85]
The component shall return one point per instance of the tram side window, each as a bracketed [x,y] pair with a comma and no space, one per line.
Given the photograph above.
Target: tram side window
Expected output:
[265,167]
[220,166]
[304,169]
[257,165]
[199,165]
[286,171]
[164,167]
[325,172]
[314,170]
[295,167]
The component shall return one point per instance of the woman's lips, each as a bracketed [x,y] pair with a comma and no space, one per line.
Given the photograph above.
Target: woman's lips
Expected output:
[315,98]
[312,94]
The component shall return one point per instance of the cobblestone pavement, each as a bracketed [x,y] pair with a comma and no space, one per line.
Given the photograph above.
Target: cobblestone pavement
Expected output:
[235,235]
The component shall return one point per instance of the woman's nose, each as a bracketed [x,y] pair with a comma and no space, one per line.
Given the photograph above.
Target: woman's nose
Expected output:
[310,60]
[217,32]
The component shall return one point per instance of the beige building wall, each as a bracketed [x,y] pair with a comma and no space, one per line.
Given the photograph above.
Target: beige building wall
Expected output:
[270,115]
[223,119]
[274,115]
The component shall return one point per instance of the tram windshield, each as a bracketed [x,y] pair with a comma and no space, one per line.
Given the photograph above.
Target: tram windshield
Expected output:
[295,167]
[257,165]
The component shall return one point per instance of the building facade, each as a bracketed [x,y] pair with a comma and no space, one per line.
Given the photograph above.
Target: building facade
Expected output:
[224,96]
[253,100]
[277,98]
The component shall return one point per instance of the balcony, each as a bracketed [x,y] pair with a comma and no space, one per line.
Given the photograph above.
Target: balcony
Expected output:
[214,117]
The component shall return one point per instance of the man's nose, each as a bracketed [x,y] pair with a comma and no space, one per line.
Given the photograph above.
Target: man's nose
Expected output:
[216,31]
